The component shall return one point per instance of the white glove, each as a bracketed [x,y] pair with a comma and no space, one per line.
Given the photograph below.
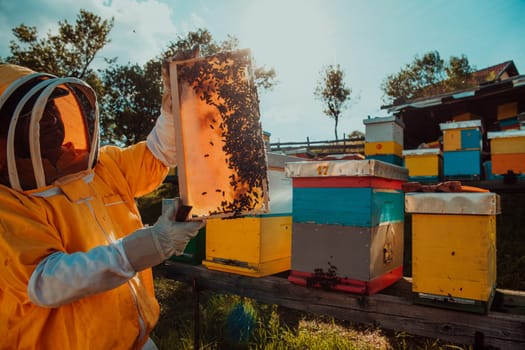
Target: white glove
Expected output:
[152,245]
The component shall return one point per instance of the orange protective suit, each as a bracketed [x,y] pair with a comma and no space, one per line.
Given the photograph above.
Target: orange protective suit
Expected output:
[65,280]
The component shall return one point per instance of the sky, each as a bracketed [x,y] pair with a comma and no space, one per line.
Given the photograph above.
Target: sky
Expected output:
[369,39]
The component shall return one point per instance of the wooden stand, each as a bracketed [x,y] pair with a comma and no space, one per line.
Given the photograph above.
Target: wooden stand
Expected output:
[392,308]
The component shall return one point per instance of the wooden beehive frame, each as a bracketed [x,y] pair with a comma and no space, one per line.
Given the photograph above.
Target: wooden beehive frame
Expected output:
[222,97]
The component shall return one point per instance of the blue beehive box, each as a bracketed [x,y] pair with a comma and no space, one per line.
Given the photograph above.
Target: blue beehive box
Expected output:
[470,139]
[462,164]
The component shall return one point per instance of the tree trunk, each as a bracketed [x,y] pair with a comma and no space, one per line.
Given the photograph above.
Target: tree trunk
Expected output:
[335,128]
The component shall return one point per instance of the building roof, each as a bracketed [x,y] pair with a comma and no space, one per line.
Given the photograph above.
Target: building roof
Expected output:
[457,96]
[496,72]
[422,117]
[490,77]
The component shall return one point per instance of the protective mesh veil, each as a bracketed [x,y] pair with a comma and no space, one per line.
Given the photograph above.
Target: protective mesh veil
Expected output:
[49,129]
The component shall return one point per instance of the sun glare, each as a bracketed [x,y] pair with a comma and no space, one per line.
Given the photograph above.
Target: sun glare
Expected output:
[286,28]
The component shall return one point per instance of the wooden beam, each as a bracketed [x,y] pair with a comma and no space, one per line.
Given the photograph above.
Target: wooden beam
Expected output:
[391,309]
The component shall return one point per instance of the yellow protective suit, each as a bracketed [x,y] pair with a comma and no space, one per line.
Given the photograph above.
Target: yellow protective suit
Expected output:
[84,215]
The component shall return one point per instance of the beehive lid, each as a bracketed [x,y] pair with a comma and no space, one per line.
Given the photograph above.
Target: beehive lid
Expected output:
[505,134]
[453,203]
[377,120]
[222,165]
[278,160]
[369,167]
[460,125]
[421,152]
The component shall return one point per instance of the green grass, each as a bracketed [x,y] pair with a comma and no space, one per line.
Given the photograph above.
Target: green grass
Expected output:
[230,322]
[510,242]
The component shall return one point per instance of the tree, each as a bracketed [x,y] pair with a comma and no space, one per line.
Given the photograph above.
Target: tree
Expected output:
[130,103]
[331,90]
[459,73]
[68,53]
[427,76]
[356,134]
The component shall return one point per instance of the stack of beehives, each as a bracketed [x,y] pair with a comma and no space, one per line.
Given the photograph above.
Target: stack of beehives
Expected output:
[348,224]
[462,146]
[507,146]
[384,139]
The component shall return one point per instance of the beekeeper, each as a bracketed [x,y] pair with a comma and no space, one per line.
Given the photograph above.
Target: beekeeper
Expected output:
[76,259]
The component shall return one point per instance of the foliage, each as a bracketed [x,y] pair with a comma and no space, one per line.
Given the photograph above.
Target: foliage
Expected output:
[332,91]
[68,53]
[357,134]
[427,76]
[151,204]
[131,102]
[510,242]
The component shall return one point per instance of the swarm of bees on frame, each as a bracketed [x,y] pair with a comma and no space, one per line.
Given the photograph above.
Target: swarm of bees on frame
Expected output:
[223,82]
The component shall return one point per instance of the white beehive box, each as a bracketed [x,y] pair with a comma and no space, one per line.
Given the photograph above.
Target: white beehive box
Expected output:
[381,129]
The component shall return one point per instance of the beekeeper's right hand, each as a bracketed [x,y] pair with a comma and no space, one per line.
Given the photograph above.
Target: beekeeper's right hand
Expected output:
[61,277]
[152,245]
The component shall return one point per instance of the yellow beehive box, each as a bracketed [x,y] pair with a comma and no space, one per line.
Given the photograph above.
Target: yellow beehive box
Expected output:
[507,110]
[452,140]
[507,151]
[250,246]
[507,142]
[454,249]
[458,136]
[422,163]
[383,147]
[258,245]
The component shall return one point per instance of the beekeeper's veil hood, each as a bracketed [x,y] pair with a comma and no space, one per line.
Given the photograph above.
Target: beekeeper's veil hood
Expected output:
[48,127]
